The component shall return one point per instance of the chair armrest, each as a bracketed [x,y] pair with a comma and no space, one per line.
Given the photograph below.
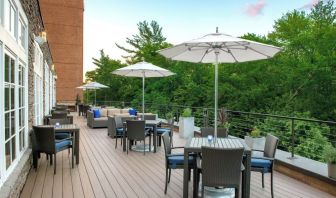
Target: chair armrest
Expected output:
[177,147]
[258,150]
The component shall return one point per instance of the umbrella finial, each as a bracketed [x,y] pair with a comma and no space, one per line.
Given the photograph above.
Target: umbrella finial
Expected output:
[216,29]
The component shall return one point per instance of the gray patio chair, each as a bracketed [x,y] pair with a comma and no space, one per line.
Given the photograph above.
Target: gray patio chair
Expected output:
[136,132]
[221,132]
[221,168]
[43,141]
[265,163]
[170,129]
[113,130]
[176,161]
[59,114]
[53,121]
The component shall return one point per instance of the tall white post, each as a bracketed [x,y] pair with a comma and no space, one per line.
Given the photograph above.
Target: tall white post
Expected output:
[216,94]
[143,96]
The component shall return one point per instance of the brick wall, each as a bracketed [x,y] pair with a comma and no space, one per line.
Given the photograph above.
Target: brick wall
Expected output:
[63,21]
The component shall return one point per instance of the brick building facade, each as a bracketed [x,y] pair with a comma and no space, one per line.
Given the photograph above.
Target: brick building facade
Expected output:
[63,21]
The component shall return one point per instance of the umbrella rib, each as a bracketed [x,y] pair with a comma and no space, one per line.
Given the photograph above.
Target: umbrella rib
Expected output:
[205,53]
[229,52]
[258,52]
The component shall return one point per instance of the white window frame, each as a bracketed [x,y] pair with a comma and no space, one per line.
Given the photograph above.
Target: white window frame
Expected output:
[9,45]
[38,84]
[46,89]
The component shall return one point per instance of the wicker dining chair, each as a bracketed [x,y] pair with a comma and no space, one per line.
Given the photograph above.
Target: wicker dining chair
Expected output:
[176,161]
[170,129]
[113,130]
[59,114]
[221,132]
[136,132]
[221,168]
[43,141]
[265,162]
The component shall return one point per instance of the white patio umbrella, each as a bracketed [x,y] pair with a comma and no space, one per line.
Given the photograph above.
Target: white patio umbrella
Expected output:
[143,70]
[93,85]
[219,48]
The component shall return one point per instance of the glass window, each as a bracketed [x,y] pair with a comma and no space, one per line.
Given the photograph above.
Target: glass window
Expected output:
[7,100]
[22,33]
[7,68]
[8,156]
[7,125]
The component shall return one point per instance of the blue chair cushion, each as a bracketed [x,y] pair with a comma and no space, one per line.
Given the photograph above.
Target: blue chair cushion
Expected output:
[120,131]
[60,136]
[62,144]
[161,131]
[261,163]
[96,113]
[175,160]
[132,112]
[150,128]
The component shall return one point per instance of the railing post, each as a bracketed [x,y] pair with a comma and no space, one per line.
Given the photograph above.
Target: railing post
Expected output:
[205,117]
[292,139]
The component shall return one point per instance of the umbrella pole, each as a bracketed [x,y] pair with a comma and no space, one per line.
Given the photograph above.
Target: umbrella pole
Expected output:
[95,97]
[216,94]
[143,96]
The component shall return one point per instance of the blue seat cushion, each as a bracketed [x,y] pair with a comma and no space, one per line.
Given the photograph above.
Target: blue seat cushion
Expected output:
[62,135]
[175,160]
[120,131]
[261,163]
[62,144]
[96,113]
[150,128]
[161,131]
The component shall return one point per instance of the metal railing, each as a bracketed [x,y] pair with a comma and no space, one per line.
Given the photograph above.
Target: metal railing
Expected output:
[299,136]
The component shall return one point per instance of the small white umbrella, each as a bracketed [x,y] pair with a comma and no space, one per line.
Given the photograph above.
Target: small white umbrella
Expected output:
[93,85]
[219,48]
[143,70]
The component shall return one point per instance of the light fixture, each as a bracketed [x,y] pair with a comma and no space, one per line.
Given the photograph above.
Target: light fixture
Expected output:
[41,38]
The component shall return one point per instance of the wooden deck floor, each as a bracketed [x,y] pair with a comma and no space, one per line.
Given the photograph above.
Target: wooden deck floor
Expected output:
[104,171]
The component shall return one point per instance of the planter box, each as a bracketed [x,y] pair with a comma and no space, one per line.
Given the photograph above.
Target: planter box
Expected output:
[332,170]
[186,127]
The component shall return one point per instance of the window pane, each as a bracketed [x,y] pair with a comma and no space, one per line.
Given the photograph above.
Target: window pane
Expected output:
[12,122]
[7,90]
[7,70]
[22,117]
[13,149]
[8,157]
[12,99]
[20,140]
[7,121]
[23,139]
[12,71]
[12,21]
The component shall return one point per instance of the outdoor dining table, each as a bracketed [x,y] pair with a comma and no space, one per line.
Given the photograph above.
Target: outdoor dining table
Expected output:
[74,130]
[149,123]
[46,119]
[194,145]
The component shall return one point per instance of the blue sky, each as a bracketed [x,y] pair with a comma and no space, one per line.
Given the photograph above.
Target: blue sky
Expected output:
[107,22]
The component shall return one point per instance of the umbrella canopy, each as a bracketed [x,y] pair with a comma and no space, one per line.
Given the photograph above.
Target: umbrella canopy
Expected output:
[219,48]
[93,85]
[144,70]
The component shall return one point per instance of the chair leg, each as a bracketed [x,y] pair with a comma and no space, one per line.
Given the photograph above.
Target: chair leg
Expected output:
[150,143]
[195,182]
[272,193]
[72,157]
[237,192]
[189,174]
[262,179]
[55,163]
[51,159]
[169,175]
[127,145]
[145,146]
[116,142]
[167,180]
[35,158]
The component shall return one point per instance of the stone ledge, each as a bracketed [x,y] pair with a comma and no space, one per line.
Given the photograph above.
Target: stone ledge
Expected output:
[16,180]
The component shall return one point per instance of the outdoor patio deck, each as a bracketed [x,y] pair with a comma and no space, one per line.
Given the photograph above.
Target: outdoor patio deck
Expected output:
[104,171]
